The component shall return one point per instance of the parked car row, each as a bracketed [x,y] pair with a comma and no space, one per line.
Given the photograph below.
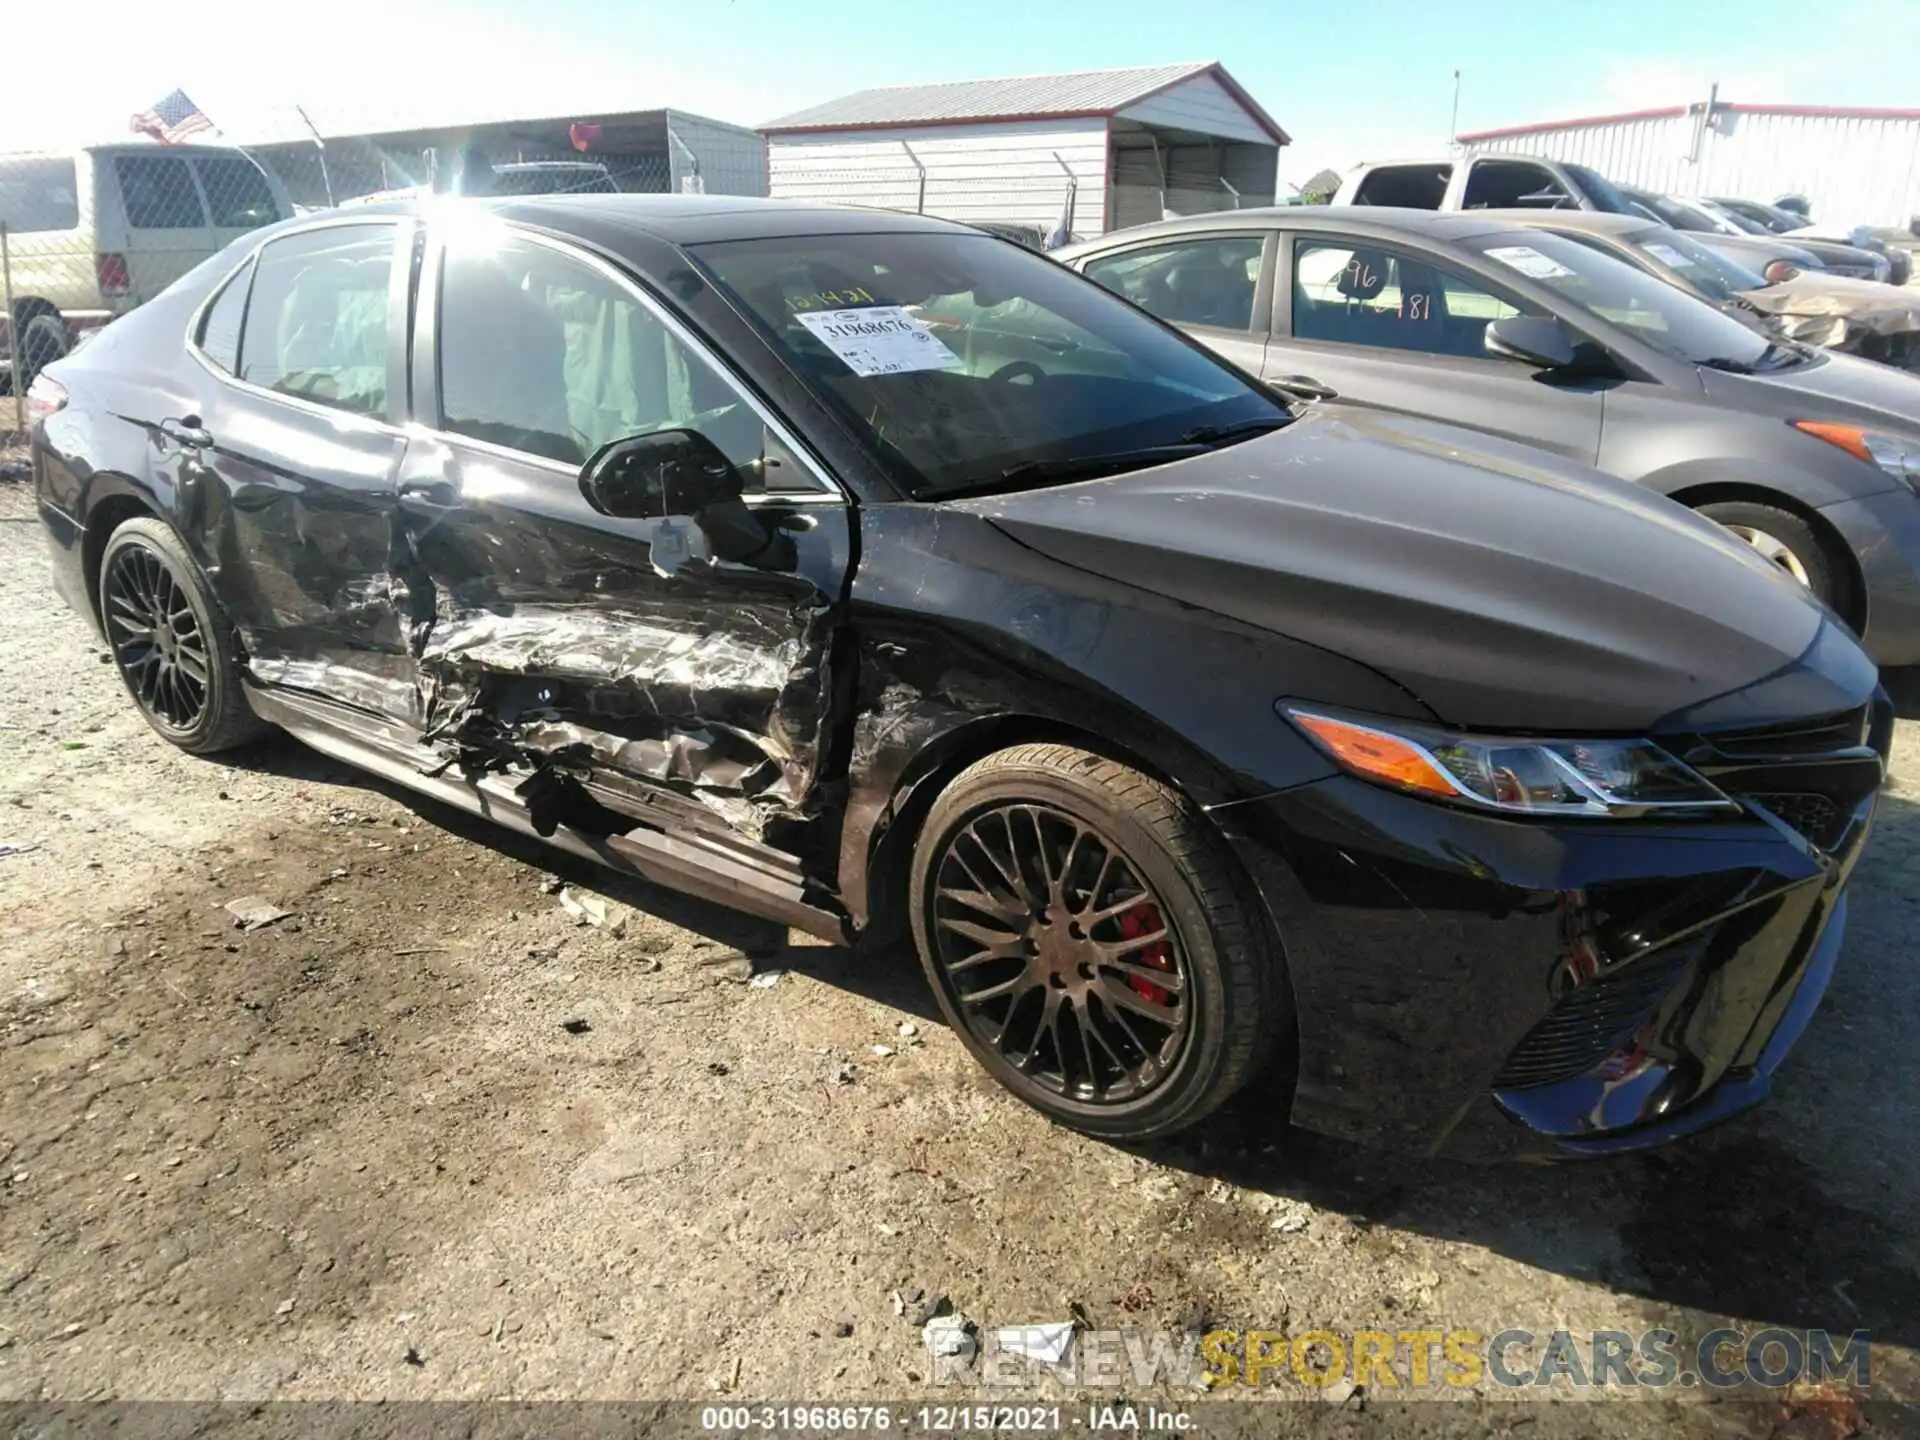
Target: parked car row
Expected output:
[1498,321]
[879,576]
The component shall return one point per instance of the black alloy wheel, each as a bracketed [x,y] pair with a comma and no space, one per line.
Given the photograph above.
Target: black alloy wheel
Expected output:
[1092,943]
[158,642]
[170,642]
[1060,955]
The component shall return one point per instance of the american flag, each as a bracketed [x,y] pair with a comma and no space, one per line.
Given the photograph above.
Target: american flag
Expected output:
[173,121]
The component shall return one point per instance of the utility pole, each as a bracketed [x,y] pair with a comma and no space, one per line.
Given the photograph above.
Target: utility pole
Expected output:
[1453,125]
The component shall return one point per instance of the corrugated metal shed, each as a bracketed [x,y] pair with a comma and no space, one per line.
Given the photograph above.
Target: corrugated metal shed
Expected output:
[1087,92]
[1087,152]
[1854,165]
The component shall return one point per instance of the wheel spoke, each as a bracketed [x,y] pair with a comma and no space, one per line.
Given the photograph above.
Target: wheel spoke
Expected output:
[985,902]
[1022,981]
[1170,980]
[1125,997]
[1112,950]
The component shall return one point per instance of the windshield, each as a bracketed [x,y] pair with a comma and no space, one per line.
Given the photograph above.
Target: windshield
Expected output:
[1701,266]
[967,364]
[1604,194]
[1681,214]
[1649,309]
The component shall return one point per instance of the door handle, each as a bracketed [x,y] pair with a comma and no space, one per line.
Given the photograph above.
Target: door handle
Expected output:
[1305,386]
[429,495]
[187,433]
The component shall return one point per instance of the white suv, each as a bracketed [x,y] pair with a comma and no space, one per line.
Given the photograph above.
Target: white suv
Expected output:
[92,233]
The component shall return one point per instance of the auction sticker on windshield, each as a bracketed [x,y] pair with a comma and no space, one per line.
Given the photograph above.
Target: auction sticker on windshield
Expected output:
[1529,261]
[879,340]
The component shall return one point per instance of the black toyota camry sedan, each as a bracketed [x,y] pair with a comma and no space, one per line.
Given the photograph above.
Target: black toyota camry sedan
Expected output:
[876,575]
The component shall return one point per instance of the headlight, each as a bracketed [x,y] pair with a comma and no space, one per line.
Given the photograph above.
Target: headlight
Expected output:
[1617,778]
[1899,457]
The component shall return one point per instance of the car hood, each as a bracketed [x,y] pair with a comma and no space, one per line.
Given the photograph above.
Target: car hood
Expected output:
[1503,588]
[1828,387]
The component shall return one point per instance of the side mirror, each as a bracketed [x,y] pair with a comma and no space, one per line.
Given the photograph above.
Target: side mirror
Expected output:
[650,477]
[1539,340]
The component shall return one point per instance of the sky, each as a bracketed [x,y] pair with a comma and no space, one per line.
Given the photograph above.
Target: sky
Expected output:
[1349,82]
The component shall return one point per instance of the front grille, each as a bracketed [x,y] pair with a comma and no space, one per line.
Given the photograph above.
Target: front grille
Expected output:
[1814,816]
[1590,1022]
[1801,737]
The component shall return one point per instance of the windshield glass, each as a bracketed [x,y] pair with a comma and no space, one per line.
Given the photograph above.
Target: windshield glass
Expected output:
[1604,194]
[1701,266]
[1649,309]
[960,358]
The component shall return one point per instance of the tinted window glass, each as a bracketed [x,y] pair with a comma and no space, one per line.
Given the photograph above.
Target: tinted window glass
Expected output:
[958,359]
[542,352]
[158,192]
[1196,282]
[220,330]
[1512,184]
[1652,311]
[1602,193]
[1364,295]
[38,194]
[1705,268]
[1416,187]
[237,193]
[317,319]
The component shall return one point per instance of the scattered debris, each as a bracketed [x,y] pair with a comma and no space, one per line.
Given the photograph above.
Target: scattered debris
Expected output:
[575,1026]
[584,906]
[948,1335]
[252,912]
[916,1307]
[840,1073]
[414,1357]
[1289,1217]
[883,1051]
[843,1327]
[552,885]
[648,964]
[1137,1298]
[1047,1342]
[908,1029]
[17,847]
[718,1067]
[765,980]
[1342,1390]
[285,1307]
[421,950]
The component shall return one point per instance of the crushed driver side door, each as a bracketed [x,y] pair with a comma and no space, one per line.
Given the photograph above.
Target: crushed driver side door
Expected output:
[662,682]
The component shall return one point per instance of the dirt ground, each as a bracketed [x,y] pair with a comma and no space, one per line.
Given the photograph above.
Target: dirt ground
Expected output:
[429,1137]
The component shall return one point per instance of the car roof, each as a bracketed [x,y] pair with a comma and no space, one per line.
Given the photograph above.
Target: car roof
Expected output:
[1443,226]
[1591,222]
[676,219]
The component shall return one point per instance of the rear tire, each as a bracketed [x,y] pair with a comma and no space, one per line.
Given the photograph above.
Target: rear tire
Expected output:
[175,651]
[1793,545]
[1110,967]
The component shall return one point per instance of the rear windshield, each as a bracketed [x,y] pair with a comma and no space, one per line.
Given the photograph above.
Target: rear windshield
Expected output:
[1701,266]
[1413,187]
[38,194]
[957,357]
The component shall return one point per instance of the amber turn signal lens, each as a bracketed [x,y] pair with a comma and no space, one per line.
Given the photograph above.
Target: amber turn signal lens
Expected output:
[1379,756]
[1850,438]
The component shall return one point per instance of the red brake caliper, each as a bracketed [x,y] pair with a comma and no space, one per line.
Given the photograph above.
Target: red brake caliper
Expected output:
[1144,919]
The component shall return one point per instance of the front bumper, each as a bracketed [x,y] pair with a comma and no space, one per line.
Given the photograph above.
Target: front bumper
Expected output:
[1487,988]
[1883,531]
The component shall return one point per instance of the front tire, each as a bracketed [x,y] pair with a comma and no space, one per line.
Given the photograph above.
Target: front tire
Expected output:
[1792,545]
[174,649]
[1089,940]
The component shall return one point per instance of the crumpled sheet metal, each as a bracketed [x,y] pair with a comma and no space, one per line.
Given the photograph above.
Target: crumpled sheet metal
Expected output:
[711,712]
[1832,310]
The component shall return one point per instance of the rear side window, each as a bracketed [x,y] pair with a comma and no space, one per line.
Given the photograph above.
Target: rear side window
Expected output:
[1513,185]
[220,330]
[1416,187]
[1194,282]
[316,321]
[1363,295]
[158,192]
[237,193]
[39,194]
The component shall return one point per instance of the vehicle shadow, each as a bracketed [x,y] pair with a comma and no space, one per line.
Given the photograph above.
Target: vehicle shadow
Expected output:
[1903,684]
[1798,1214]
